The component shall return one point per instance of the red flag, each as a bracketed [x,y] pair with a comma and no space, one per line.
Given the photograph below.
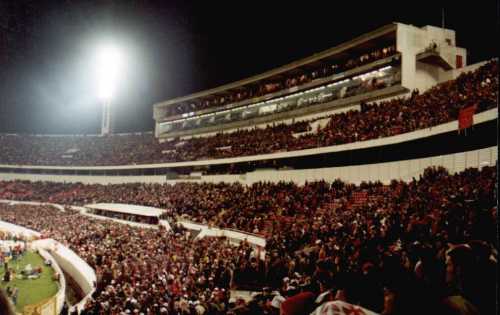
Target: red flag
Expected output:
[466,117]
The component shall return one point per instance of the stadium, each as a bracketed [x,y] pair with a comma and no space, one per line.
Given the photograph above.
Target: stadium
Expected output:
[356,180]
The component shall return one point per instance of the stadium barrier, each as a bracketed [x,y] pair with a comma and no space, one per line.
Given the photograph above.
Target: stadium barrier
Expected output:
[16,229]
[34,203]
[234,236]
[131,223]
[74,266]
[403,170]
[46,307]
[59,298]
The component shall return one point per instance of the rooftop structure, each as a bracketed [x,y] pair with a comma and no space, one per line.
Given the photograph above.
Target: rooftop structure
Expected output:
[390,60]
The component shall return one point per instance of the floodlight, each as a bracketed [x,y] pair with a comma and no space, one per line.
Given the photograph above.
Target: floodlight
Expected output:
[109,63]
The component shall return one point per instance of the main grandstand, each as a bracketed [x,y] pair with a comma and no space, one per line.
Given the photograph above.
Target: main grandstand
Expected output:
[354,181]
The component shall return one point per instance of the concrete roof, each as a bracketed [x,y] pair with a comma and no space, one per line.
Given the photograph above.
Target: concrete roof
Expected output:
[318,56]
[126,208]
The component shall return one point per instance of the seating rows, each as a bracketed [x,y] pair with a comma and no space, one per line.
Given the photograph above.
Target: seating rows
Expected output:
[438,105]
[328,245]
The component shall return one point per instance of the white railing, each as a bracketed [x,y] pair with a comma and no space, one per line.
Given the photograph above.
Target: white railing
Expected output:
[61,293]
[239,236]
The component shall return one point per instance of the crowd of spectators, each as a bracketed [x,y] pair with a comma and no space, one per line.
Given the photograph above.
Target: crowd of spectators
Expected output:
[77,150]
[439,105]
[140,270]
[426,246]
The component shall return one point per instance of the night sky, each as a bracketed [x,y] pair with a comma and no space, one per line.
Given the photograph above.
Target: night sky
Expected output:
[176,48]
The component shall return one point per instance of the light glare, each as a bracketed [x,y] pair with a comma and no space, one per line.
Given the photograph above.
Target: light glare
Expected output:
[109,63]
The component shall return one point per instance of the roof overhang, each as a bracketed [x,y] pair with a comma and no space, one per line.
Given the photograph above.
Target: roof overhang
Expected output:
[358,42]
[434,58]
[126,208]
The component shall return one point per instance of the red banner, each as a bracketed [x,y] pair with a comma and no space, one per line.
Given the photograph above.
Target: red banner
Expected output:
[466,117]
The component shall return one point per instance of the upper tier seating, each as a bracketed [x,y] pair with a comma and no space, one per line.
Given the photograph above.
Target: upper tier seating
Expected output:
[284,82]
[439,105]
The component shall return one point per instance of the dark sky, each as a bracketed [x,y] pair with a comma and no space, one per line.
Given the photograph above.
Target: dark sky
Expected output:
[175,48]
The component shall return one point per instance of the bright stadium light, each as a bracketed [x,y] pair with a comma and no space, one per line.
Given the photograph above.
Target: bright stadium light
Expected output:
[109,63]
[108,66]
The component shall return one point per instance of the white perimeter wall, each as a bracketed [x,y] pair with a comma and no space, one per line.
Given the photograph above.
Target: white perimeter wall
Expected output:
[61,293]
[383,172]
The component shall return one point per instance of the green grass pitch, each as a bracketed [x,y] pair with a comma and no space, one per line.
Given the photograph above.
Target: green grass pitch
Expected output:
[30,291]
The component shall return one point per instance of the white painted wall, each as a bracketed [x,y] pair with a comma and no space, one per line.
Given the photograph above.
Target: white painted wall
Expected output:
[406,42]
[216,232]
[426,76]
[412,40]
[16,229]
[61,292]
[384,172]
